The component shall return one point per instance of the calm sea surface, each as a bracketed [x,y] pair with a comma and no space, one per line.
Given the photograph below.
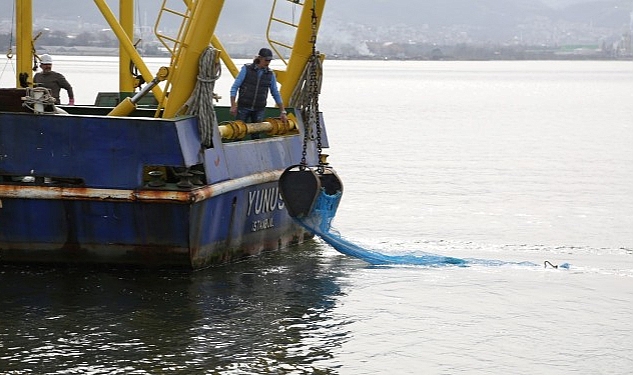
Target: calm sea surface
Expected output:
[508,161]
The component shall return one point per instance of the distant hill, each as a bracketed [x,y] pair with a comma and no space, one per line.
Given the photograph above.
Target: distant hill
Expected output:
[489,13]
[443,12]
[488,19]
[437,12]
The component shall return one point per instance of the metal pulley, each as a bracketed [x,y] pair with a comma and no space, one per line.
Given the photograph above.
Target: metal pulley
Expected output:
[300,187]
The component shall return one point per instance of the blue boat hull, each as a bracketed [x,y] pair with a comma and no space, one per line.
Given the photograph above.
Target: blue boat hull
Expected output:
[195,235]
[75,189]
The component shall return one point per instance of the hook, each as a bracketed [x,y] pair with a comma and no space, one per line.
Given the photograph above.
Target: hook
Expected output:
[550,263]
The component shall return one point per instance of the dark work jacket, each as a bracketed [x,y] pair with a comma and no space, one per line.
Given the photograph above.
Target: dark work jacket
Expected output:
[254,89]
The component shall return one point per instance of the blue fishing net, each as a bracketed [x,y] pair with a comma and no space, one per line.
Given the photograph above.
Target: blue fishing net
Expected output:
[319,222]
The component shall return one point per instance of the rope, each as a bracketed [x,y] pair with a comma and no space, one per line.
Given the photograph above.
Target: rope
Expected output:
[548,263]
[305,98]
[200,103]
[10,49]
[7,63]
[300,97]
[45,99]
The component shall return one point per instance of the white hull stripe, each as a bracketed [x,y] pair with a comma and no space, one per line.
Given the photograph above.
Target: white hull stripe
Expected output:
[167,196]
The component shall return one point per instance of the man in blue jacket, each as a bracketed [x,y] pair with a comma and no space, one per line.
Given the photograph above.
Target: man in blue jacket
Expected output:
[254,82]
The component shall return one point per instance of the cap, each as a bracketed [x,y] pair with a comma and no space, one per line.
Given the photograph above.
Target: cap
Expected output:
[46,59]
[266,54]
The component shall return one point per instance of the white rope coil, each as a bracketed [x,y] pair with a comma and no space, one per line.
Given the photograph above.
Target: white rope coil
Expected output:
[38,100]
[201,101]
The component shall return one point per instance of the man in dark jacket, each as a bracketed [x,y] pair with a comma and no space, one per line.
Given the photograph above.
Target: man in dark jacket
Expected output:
[254,82]
[52,80]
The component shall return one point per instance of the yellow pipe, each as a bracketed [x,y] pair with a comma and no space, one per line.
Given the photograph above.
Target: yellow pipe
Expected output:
[128,105]
[126,18]
[301,50]
[197,37]
[233,130]
[24,42]
[272,126]
[127,45]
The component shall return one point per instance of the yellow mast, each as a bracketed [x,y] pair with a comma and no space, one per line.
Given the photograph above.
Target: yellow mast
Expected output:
[226,59]
[126,19]
[196,38]
[127,44]
[24,41]
[301,50]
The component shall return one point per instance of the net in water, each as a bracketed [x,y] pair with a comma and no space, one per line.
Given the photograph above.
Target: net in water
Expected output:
[319,222]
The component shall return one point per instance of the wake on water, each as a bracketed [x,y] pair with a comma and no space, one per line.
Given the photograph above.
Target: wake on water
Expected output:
[319,222]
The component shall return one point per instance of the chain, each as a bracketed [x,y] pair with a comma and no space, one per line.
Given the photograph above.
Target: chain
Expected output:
[312,102]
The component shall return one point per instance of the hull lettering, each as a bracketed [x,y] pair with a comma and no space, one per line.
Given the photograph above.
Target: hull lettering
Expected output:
[262,224]
[262,201]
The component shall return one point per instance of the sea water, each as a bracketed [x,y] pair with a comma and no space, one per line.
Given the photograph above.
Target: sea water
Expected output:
[513,163]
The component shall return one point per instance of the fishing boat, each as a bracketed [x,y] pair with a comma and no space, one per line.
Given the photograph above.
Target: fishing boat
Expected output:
[157,175]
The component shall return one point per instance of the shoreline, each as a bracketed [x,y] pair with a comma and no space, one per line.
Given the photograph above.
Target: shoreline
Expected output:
[583,55]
